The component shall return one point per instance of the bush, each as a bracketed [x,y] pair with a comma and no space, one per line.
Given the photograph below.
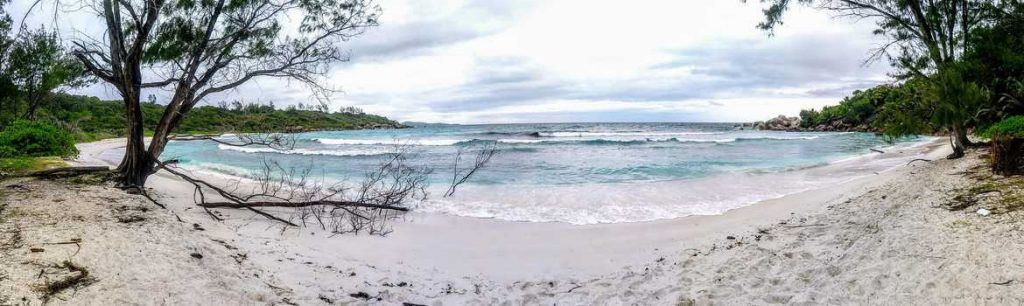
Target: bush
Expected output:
[36,138]
[1009,127]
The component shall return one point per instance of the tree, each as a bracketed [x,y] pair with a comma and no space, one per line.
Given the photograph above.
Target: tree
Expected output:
[922,36]
[201,48]
[38,65]
[7,88]
[995,58]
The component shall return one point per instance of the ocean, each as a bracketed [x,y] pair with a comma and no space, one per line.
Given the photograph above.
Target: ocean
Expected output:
[583,173]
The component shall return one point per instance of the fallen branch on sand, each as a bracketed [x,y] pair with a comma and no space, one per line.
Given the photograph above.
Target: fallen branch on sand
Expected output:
[68,171]
[299,204]
[877,150]
[918,159]
[79,277]
[369,205]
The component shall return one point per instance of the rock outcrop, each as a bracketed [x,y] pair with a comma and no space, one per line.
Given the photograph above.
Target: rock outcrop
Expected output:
[793,124]
[780,123]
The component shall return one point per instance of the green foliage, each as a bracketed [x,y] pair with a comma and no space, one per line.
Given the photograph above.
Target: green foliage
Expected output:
[36,138]
[903,112]
[925,105]
[859,109]
[38,66]
[33,66]
[91,118]
[995,58]
[1009,127]
[955,100]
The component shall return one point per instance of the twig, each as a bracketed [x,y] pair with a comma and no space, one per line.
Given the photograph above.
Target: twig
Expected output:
[1006,283]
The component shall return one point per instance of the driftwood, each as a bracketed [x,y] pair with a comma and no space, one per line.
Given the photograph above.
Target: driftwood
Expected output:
[299,204]
[918,159]
[367,205]
[877,150]
[68,171]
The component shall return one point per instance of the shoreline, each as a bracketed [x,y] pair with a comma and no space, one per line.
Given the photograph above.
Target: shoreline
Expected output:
[610,247]
[828,173]
[875,239]
[931,149]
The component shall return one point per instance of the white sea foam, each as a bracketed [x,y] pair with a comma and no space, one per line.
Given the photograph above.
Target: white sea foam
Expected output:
[648,201]
[346,152]
[607,134]
[420,142]
[567,137]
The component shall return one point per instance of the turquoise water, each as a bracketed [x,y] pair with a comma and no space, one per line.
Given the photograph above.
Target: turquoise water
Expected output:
[581,173]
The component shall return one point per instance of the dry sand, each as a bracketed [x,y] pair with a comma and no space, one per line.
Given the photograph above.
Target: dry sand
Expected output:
[881,239]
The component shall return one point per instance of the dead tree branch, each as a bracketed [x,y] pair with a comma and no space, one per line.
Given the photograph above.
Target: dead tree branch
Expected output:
[460,176]
[370,205]
[277,141]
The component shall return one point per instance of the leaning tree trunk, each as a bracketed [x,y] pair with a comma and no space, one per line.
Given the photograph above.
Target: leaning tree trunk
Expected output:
[959,141]
[172,117]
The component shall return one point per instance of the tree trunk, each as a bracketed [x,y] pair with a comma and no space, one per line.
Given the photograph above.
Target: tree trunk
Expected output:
[33,103]
[959,141]
[137,164]
[173,114]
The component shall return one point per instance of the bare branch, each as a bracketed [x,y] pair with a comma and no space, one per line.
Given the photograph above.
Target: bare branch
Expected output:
[460,177]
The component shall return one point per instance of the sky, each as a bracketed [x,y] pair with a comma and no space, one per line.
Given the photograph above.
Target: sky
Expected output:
[520,61]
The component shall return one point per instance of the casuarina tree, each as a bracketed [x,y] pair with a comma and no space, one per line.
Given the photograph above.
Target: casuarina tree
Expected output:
[198,48]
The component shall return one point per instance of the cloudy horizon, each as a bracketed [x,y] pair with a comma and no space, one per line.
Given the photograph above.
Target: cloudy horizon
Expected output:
[466,61]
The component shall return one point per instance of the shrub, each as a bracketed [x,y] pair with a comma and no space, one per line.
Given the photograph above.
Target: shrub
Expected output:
[1009,127]
[36,138]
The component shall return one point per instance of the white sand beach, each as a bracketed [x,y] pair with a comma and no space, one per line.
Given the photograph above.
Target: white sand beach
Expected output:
[879,239]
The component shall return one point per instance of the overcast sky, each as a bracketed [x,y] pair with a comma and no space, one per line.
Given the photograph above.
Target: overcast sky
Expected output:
[473,61]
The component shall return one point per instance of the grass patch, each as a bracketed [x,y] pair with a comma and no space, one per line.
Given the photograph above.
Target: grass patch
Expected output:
[995,193]
[17,165]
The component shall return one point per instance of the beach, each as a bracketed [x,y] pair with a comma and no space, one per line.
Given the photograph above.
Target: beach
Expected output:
[882,238]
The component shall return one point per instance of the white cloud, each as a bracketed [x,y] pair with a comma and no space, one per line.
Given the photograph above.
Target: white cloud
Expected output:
[471,61]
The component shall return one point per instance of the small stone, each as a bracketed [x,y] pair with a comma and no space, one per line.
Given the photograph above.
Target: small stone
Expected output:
[196,255]
[984,212]
[36,250]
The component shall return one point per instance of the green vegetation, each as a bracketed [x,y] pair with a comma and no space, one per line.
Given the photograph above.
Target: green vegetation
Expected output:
[960,62]
[35,139]
[29,164]
[91,118]
[1009,127]
[857,111]
[998,194]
